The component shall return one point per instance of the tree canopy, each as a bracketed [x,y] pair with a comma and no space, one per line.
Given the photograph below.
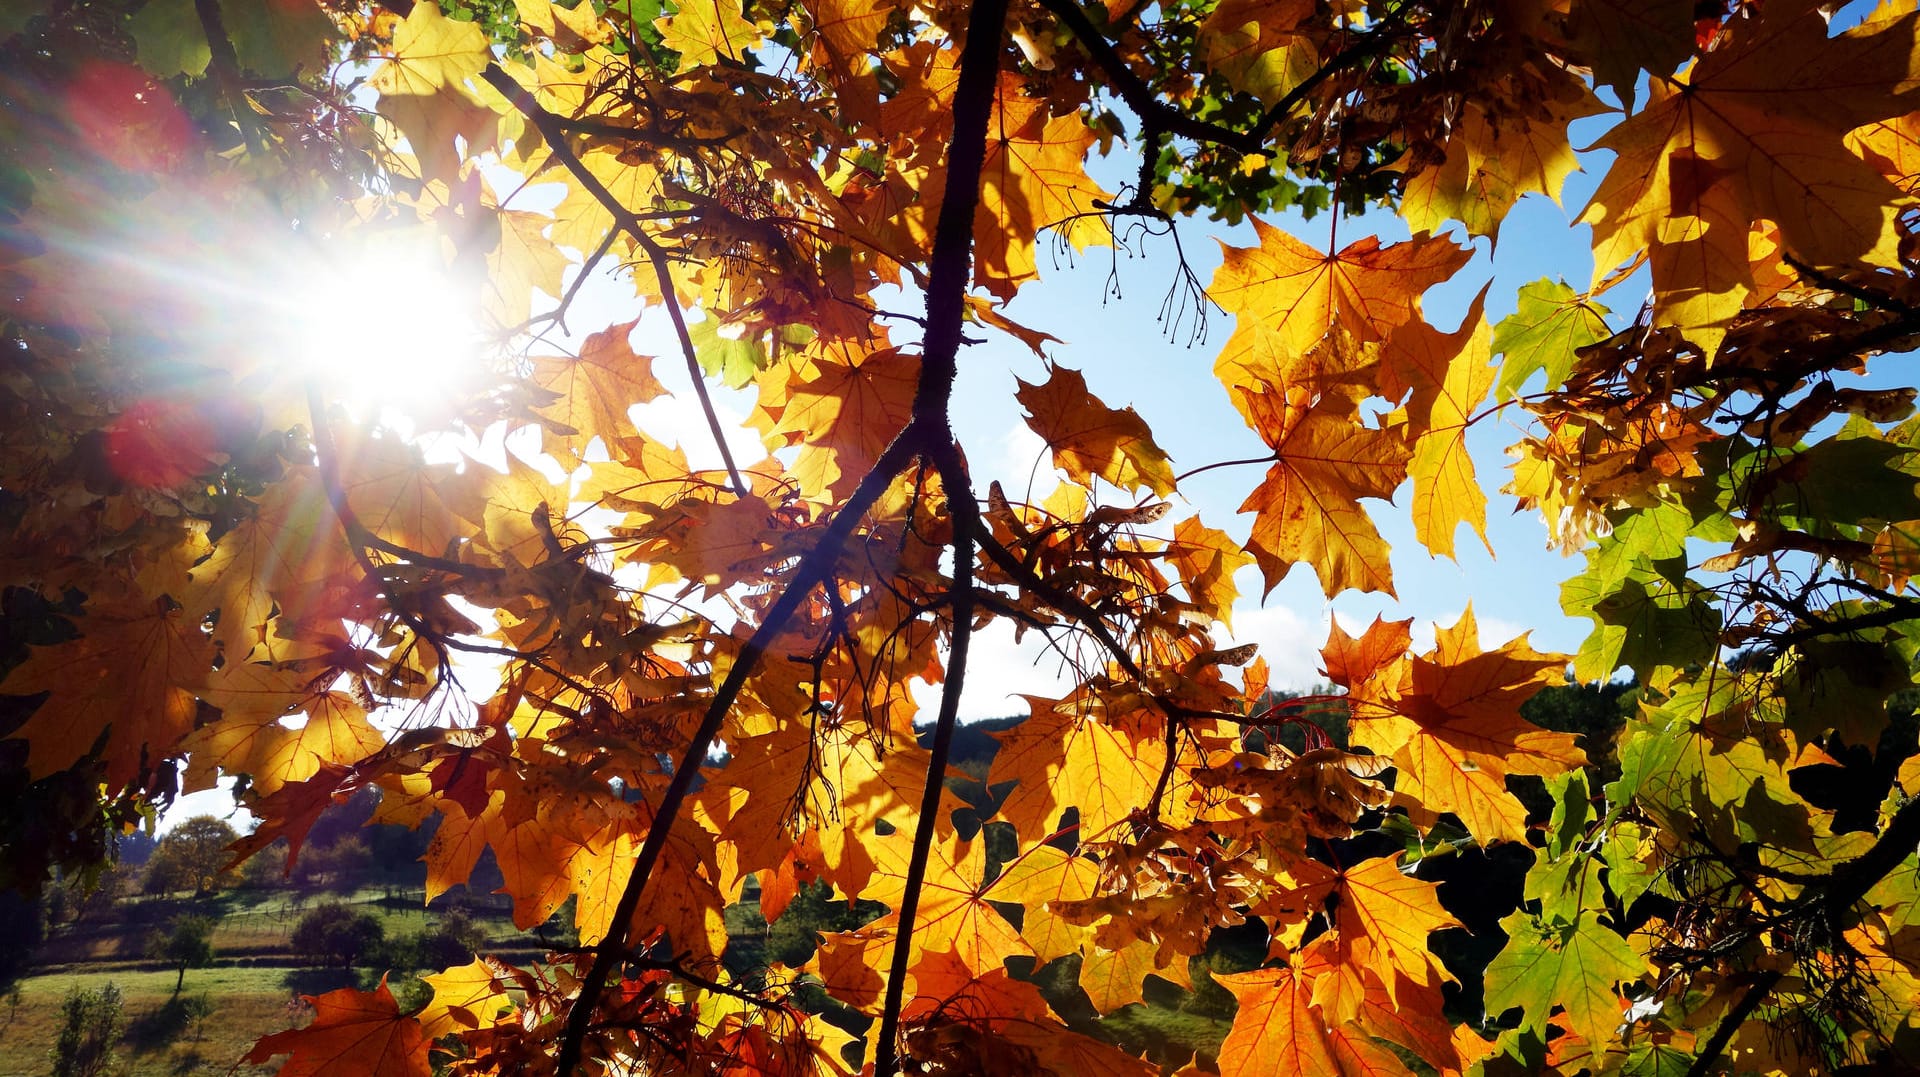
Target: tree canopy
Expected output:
[274,271]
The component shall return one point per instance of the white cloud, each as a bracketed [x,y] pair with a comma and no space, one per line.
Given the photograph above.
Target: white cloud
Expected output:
[999,672]
[1025,467]
[1289,644]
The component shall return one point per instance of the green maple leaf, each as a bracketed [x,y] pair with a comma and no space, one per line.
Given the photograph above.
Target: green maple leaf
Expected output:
[1575,965]
[1550,324]
[1648,615]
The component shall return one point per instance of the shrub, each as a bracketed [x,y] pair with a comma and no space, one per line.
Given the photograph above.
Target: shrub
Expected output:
[89,1034]
[334,934]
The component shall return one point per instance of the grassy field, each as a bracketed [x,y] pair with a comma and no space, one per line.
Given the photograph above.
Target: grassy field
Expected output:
[247,1003]
[252,989]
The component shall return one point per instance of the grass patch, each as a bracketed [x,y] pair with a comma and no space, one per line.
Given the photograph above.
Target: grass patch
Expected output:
[246,1003]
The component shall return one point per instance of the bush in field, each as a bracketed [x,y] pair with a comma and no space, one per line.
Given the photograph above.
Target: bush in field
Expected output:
[92,1022]
[334,934]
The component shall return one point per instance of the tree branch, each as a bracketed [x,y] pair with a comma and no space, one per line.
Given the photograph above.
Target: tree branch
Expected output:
[950,270]
[1828,900]
[813,569]
[953,476]
[553,129]
[1134,90]
[1159,116]
[226,71]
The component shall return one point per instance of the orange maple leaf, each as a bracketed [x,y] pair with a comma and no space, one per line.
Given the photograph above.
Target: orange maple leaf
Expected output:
[593,392]
[132,677]
[1065,756]
[1088,438]
[1755,130]
[1451,721]
[1277,1030]
[1308,508]
[353,1034]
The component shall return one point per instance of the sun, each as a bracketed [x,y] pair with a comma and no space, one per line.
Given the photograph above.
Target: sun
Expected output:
[385,328]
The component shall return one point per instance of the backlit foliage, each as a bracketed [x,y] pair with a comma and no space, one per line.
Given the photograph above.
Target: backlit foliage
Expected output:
[263,563]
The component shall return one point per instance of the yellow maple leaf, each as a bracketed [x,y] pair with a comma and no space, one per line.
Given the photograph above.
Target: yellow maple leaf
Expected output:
[596,389]
[1755,130]
[1308,507]
[1458,372]
[464,997]
[1288,297]
[430,53]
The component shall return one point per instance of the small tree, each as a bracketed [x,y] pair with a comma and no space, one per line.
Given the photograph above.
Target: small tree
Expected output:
[89,1033]
[187,944]
[335,934]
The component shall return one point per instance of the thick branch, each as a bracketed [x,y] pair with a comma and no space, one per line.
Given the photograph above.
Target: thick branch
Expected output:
[951,268]
[1135,92]
[226,71]
[1704,1062]
[1159,116]
[1828,900]
[814,568]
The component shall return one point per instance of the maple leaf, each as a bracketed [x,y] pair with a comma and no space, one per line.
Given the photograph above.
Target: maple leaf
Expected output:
[1575,965]
[1260,47]
[1391,913]
[130,679]
[1088,438]
[353,1032]
[1307,510]
[1549,324]
[708,31]
[1452,376]
[595,391]
[397,497]
[334,730]
[1067,756]
[1492,160]
[1621,38]
[430,52]
[1206,559]
[1276,1026]
[955,913]
[1755,130]
[845,403]
[465,997]
[1034,175]
[1451,722]
[1288,297]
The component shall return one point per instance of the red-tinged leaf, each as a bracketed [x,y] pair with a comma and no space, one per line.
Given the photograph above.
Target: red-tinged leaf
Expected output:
[1277,1030]
[353,1034]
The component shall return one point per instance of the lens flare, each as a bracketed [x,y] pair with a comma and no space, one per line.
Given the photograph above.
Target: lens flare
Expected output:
[386,330]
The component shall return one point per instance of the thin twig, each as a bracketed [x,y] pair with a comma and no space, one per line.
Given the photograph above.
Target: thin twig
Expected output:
[953,476]
[552,128]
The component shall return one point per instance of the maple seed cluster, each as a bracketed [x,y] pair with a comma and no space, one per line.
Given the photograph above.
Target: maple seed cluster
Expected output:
[652,689]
